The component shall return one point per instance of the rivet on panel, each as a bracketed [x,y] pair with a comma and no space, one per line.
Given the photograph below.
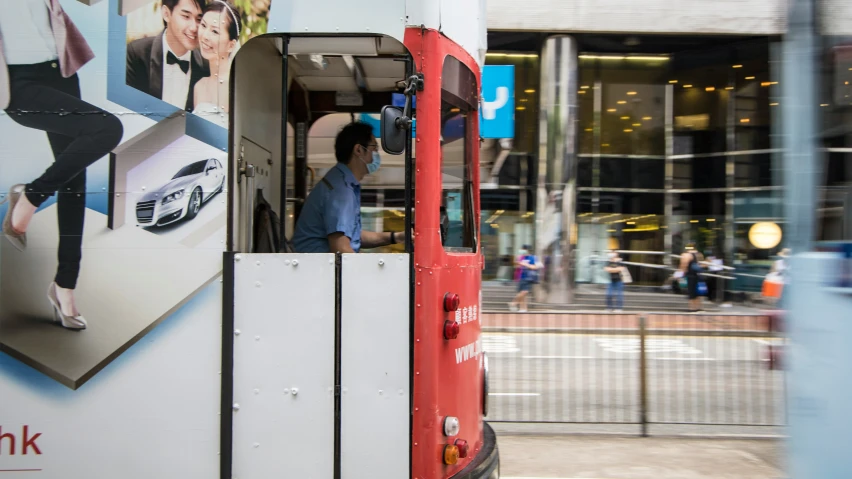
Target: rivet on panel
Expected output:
[237,258]
[256,391]
[287,391]
[381,262]
[236,407]
[294,391]
[236,332]
[257,284]
[295,262]
[381,392]
[257,338]
[287,262]
[256,445]
[258,263]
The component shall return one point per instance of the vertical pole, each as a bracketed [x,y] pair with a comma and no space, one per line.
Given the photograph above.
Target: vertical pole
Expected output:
[643,379]
[799,107]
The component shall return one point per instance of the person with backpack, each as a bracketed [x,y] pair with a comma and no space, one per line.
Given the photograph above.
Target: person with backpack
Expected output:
[615,289]
[691,267]
[529,266]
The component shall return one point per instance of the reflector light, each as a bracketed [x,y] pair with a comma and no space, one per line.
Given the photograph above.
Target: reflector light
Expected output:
[451,426]
[451,329]
[451,454]
[463,447]
[451,302]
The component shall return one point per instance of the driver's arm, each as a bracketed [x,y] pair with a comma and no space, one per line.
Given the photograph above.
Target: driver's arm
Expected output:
[371,239]
[339,243]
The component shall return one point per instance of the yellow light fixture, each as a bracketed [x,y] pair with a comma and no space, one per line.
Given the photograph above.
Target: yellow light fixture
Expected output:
[582,92]
[589,129]
[529,90]
[611,110]
[765,235]
[631,93]
[672,81]
[687,86]
[646,118]
[628,130]
[605,145]
[637,124]
[745,120]
[693,221]
[521,108]
[710,88]
[622,102]
[737,66]
[625,117]
[823,104]
[729,88]
[584,87]
[749,78]
[766,83]
[774,104]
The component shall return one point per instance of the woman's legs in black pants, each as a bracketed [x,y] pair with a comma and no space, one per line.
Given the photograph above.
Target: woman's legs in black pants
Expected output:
[79,135]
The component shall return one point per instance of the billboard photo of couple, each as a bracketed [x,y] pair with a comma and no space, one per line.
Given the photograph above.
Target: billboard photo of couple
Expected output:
[181,51]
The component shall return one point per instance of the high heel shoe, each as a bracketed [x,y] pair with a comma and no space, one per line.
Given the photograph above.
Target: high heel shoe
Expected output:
[70,322]
[17,238]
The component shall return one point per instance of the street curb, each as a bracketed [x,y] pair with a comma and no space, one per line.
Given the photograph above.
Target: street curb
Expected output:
[632,331]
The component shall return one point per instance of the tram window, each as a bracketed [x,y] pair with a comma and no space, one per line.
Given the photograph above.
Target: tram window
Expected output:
[458,221]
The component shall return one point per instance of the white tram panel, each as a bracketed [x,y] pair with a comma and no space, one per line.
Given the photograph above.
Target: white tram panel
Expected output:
[462,21]
[283,420]
[375,366]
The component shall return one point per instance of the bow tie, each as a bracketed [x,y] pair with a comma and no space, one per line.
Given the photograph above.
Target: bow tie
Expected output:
[171,59]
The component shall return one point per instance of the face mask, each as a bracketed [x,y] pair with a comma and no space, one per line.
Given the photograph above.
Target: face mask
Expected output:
[374,166]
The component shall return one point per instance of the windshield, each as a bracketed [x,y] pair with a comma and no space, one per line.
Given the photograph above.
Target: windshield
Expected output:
[192,169]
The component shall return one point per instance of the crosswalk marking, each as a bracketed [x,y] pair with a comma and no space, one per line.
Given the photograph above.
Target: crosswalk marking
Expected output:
[497,343]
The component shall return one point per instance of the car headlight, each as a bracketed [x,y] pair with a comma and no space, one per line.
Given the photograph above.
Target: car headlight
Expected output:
[173,197]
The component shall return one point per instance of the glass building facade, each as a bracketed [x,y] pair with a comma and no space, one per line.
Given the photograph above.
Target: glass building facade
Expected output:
[675,146]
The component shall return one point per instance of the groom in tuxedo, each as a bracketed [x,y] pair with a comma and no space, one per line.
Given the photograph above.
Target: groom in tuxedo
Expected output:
[168,66]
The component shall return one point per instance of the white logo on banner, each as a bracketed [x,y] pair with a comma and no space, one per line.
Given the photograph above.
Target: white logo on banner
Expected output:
[631,345]
[499,344]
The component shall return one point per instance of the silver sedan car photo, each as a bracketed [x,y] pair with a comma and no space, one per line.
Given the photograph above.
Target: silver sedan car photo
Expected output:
[183,195]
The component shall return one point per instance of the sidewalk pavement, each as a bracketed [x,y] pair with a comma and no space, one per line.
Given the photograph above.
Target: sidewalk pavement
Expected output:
[619,457]
[708,323]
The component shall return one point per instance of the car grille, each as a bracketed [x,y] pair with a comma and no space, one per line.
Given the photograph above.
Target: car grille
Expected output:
[145,211]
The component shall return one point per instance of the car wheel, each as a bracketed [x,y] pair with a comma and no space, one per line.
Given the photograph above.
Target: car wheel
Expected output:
[194,205]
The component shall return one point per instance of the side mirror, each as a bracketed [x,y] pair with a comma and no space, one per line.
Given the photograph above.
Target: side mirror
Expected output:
[393,134]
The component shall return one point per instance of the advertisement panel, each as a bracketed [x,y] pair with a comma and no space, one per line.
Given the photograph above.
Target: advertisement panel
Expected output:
[113,174]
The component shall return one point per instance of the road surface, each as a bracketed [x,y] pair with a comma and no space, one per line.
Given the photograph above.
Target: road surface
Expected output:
[588,378]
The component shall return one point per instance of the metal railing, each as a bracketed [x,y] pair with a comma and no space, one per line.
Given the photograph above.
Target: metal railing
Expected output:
[646,369]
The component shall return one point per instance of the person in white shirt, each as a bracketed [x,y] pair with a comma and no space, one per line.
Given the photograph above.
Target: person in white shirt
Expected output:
[168,66]
[41,51]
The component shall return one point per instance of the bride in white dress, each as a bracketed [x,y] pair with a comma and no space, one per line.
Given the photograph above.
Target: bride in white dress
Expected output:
[218,36]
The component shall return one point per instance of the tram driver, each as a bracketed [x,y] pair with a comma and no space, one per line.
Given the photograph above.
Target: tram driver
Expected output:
[330,220]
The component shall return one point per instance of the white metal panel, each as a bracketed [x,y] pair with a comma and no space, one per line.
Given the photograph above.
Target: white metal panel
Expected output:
[460,21]
[753,17]
[376,365]
[283,423]
[336,16]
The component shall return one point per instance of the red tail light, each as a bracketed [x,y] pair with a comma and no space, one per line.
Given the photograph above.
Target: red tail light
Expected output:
[451,329]
[451,302]
[463,447]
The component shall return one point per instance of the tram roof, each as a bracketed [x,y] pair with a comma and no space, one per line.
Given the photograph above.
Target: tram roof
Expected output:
[462,21]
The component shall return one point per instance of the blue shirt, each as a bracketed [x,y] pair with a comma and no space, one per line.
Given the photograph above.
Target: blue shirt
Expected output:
[334,206]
